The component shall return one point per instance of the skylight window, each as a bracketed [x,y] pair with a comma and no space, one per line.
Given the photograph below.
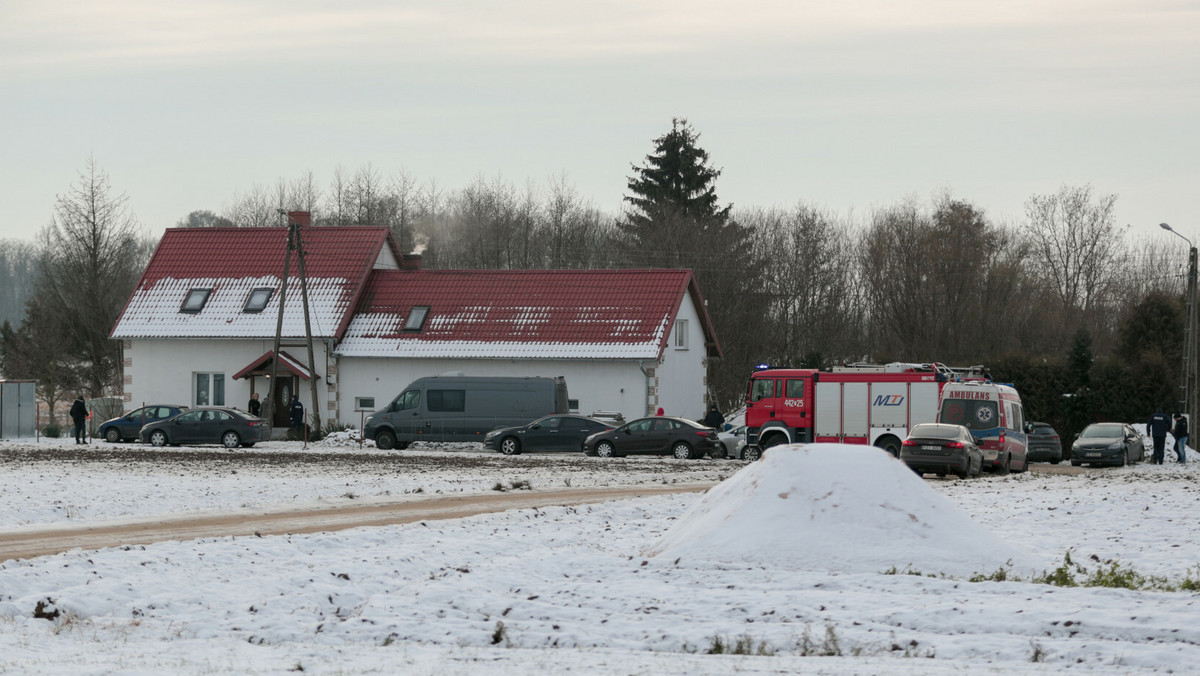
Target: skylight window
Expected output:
[258,299]
[195,301]
[416,318]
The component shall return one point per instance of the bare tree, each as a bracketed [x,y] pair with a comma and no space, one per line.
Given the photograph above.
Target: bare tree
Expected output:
[91,256]
[1077,250]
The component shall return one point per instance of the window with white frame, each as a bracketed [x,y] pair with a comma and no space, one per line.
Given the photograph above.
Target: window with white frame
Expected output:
[681,334]
[208,389]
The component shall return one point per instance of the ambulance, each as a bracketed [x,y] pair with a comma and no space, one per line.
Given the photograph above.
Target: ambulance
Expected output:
[996,419]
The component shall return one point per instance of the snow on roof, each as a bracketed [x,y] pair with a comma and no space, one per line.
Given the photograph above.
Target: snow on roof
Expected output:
[563,314]
[233,262]
[836,508]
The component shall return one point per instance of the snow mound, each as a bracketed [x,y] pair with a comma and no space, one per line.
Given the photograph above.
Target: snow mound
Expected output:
[837,508]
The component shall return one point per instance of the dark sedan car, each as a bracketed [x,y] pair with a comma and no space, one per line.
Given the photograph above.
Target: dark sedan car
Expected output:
[942,449]
[126,427]
[1044,444]
[1107,444]
[209,425]
[549,433]
[659,435]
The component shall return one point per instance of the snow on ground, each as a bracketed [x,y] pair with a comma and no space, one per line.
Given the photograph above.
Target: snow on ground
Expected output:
[567,589]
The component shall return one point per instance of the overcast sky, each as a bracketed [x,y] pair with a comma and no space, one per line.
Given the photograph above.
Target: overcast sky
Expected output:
[845,105]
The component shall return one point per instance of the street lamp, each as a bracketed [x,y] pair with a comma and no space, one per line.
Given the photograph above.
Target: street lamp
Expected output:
[1188,398]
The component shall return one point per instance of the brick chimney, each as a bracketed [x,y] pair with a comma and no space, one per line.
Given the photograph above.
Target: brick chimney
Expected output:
[410,262]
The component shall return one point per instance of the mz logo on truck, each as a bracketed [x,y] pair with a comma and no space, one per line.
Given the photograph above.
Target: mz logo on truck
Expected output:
[889,400]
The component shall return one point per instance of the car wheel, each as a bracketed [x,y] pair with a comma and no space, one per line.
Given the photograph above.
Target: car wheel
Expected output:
[681,451]
[605,449]
[1076,463]
[890,444]
[111,435]
[751,453]
[385,440]
[158,438]
[231,439]
[1005,466]
[773,441]
[1055,461]
[963,473]
[510,446]
[1124,460]
[248,444]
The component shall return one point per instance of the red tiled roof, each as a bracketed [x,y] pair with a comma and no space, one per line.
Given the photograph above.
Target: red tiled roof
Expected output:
[593,307]
[340,257]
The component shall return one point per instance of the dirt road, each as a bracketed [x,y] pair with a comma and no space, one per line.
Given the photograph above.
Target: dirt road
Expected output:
[27,544]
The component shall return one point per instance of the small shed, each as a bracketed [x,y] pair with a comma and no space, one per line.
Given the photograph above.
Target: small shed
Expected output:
[18,409]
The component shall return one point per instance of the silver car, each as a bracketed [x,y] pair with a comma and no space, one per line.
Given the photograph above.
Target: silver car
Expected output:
[734,441]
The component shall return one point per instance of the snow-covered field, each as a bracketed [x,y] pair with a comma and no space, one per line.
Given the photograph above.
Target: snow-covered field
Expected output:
[651,585]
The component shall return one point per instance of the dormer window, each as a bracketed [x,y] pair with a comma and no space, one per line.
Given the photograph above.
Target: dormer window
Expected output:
[258,299]
[195,301]
[416,318]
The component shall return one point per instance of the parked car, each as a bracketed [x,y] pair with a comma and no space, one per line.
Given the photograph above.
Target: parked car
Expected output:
[1044,444]
[660,435]
[548,433]
[942,448]
[734,441]
[127,427]
[208,425]
[1107,444]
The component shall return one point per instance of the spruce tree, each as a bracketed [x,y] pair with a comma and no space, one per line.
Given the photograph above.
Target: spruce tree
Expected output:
[674,220]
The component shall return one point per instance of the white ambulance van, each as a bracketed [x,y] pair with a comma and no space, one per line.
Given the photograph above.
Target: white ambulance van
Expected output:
[994,414]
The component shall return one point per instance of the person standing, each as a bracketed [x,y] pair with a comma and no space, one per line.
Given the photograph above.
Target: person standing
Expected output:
[713,418]
[254,408]
[1157,427]
[296,415]
[1180,432]
[79,414]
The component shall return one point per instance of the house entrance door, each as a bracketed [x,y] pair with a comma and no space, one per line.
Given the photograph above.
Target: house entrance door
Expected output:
[284,388]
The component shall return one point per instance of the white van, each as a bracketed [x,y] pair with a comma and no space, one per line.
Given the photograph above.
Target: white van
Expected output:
[994,414]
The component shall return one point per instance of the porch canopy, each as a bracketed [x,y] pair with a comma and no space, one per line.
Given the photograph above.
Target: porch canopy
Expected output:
[262,366]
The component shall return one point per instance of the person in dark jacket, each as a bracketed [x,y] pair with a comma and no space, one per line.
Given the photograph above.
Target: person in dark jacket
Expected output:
[1157,427]
[255,407]
[296,415]
[713,418]
[79,417]
[1180,432]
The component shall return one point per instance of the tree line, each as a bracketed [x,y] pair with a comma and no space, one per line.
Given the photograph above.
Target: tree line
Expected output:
[1085,321]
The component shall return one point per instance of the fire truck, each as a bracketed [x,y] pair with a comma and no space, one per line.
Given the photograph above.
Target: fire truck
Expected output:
[849,404]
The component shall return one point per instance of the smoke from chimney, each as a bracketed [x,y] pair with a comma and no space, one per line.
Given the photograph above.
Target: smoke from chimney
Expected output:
[420,243]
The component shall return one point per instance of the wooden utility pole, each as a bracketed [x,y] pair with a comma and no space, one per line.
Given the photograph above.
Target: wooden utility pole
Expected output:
[312,365]
[269,404]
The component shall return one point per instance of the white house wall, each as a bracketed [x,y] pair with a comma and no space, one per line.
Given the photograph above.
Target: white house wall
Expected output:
[608,385]
[160,370]
[681,376]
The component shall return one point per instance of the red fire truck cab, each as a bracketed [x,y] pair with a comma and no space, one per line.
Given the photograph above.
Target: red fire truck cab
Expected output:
[854,404]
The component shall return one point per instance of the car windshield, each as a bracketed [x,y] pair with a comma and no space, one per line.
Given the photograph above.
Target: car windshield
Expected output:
[1103,431]
[974,414]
